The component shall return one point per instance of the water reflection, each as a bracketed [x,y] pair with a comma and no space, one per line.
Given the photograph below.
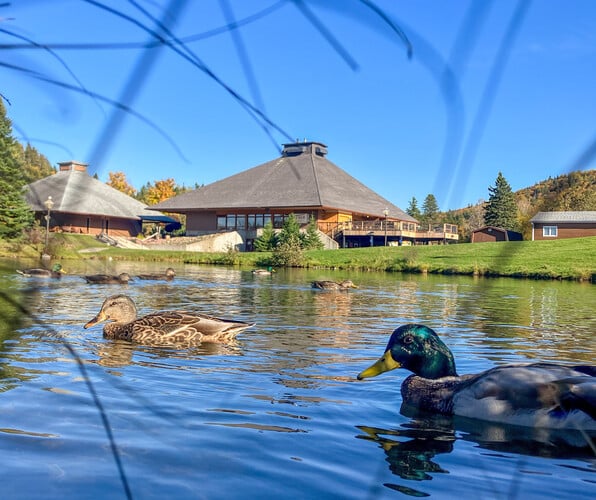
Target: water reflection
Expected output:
[413,450]
[119,353]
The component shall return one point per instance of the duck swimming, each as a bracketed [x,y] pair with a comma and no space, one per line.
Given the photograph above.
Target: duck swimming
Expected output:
[55,272]
[264,272]
[108,279]
[532,394]
[168,275]
[333,285]
[177,328]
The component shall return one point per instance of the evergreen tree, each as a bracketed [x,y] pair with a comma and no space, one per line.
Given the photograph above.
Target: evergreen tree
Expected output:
[268,239]
[290,231]
[430,210]
[501,209]
[15,213]
[35,165]
[288,251]
[413,209]
[311,240]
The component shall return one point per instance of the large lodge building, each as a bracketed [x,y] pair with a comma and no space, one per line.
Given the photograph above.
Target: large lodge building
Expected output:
[303,182]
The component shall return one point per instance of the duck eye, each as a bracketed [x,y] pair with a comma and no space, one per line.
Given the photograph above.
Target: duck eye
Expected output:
[408,339]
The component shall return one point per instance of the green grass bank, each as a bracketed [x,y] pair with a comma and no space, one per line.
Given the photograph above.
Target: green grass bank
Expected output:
[570,259]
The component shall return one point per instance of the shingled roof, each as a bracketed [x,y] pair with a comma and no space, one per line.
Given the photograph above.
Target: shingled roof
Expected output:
[301,178]
[74,191]
[565,216]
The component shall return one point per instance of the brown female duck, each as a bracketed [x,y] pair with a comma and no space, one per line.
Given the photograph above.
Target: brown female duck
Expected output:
[168,275]
[333,285]
[178,328]
[108,279]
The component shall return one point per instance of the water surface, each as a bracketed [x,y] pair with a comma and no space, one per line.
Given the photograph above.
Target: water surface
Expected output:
[278,413]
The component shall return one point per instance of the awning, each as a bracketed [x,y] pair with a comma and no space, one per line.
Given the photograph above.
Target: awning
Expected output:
[158,218]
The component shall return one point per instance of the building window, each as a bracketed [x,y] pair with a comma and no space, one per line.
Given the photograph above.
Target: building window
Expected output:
[221,222]
[241,222]
[278,221]
[549,231]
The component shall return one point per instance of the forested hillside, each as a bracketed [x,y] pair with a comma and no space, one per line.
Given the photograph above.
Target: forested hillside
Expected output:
[572,191]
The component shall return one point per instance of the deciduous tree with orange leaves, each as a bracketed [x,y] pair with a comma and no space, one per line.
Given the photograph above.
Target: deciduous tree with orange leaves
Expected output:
[118,181]
[158,191]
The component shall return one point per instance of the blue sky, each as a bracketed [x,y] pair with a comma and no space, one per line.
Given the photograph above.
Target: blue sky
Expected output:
[490,86]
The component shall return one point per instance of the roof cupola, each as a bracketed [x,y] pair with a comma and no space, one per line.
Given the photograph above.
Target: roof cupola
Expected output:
[308,147]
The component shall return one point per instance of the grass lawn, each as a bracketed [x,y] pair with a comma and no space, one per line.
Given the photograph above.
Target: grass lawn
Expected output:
[572,259]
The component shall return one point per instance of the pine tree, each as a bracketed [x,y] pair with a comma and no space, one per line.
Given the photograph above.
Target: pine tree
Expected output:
[290,231]
[268,239]
[15,213]
[501,209]
[288,251]
[430,210]
[311,240]
[413,209]
[36,166]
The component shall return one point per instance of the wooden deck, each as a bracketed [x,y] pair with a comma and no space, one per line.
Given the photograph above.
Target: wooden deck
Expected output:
[392,231]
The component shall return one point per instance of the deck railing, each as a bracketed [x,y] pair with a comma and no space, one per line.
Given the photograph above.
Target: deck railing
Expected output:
[391,228]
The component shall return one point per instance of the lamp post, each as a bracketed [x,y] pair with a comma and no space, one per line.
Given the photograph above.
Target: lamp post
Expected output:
[386,213]
[49,204]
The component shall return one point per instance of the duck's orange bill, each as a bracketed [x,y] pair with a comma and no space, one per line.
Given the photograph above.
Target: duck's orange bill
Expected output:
[384,364]
[98,319]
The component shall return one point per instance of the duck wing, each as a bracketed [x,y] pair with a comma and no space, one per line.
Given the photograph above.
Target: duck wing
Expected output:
[537,394]
[184,327]
[95,278]
[324,284]
[35,272]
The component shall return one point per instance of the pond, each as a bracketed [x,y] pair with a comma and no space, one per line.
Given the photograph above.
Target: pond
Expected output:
[279,413]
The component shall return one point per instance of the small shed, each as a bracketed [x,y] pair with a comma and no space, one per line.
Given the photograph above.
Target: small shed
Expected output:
[563,224]
[491,233]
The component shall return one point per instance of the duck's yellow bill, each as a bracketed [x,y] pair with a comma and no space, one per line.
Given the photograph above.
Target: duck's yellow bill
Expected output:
[384,364]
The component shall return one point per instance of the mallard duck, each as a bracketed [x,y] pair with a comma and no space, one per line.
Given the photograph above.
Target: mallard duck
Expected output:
[333,285]
[168,275]
[108,279]
[55,272]
[532,395]
[162,328]
[264,272]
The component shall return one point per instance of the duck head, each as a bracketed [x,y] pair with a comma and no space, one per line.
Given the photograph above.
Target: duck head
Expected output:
[416,348]
[118,308]
[57,268]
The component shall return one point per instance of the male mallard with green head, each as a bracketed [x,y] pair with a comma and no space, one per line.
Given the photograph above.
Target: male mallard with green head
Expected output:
[162,328]
[264,272]
[37,272]
[333,285]
[533,394]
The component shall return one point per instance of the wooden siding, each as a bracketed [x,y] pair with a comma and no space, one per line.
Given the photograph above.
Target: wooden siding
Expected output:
[564,230]
[489,234]
[199,222]
[91,224]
